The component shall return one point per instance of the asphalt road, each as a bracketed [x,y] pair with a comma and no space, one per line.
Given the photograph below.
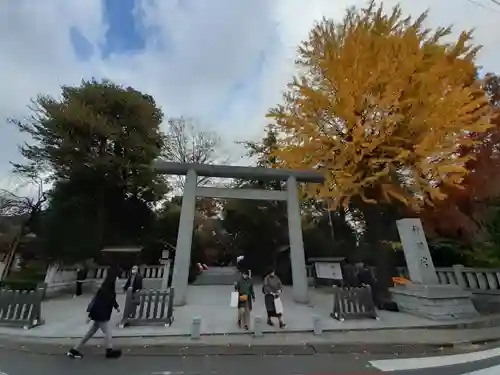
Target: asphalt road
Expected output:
[22,363]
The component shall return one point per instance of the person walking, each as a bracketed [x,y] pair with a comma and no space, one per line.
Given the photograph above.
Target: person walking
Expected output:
[246,296]
[272,288]
[99,312]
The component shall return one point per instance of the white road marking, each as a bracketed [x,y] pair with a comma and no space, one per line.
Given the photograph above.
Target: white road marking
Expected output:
[495,370]
[429,362]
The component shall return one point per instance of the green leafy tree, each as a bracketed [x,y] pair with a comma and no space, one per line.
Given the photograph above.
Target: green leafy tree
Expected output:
[97,144]
[97,129]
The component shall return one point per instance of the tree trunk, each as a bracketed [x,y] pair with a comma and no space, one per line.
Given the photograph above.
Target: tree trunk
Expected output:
[380,255]
[12,253]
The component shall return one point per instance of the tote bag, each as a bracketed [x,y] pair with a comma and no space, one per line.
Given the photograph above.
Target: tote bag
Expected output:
[235,296]
[278,306]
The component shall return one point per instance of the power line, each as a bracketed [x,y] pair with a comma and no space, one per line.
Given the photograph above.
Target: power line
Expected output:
[481,5]
[477,4]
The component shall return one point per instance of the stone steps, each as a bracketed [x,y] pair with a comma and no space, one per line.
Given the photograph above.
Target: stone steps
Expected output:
[218,276]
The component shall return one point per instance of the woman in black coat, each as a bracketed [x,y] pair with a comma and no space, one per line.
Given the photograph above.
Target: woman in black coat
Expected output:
[100,310]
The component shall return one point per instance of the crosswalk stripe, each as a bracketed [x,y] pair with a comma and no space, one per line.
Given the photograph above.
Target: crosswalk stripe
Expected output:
[402,364]
[495,370]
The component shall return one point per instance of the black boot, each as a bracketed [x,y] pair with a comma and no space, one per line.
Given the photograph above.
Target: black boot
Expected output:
[270,322]
[113,353]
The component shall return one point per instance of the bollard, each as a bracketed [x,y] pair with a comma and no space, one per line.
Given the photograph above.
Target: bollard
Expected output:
[317,326]
[196,328]
[257,326]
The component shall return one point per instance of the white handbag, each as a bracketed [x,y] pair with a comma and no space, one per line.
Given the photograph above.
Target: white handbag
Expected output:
[278,305]
[235,296]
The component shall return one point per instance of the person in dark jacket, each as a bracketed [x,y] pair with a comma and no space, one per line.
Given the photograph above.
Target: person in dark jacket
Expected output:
[81,275]
[134,281]
[99,312]
[366,278]
[246,296]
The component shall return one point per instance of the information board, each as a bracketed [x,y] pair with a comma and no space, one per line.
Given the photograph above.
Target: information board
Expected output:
[326,270]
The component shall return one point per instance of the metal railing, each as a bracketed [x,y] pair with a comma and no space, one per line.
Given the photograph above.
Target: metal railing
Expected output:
[21,308]
[353,303]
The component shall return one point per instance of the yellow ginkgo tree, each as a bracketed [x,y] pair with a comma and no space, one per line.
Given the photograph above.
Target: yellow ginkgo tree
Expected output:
[380,107]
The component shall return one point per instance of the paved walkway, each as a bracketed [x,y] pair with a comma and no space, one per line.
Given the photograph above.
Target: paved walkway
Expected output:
[66,317]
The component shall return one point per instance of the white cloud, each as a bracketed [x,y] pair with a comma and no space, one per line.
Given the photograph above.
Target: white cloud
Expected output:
[209,48]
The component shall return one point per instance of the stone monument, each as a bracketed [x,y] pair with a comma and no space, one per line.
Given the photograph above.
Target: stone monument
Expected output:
[425,296]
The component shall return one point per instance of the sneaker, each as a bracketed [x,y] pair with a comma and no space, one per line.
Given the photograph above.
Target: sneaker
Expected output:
[270,322]
[282,325]
[113,353]
[75,354]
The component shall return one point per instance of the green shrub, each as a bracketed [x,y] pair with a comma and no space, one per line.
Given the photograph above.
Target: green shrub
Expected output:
[19,284]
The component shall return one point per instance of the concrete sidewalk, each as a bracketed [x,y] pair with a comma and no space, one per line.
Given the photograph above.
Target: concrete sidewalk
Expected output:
[65,323]
[67,317]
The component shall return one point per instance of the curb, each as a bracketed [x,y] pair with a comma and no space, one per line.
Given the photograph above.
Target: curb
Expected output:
[481,323]
[306,349]
[261,347]
[489,322]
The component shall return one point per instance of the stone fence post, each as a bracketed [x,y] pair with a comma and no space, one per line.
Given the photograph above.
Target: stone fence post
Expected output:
[2,268]
[458,271]
[51,273]
[166,275]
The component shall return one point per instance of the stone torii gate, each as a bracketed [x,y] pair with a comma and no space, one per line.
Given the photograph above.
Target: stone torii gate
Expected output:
[192,190]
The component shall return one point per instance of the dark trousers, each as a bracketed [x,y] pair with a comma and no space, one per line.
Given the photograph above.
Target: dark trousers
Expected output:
[270,307]
[375,296]
[79,285]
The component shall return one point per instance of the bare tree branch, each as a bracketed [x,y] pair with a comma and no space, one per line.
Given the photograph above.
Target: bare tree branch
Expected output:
[11,204]
[188,143]
[26,210]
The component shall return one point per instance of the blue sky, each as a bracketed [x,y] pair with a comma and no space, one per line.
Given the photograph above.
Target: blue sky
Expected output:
[127,34]
[224,62]
[124,33]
